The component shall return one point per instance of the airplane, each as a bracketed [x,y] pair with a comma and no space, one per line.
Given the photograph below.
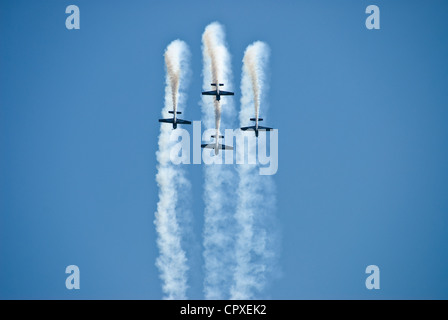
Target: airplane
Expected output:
[256,127]
[218,93]
[175,121]
[216,145]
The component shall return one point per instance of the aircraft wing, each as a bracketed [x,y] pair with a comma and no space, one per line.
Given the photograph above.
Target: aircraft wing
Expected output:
[209,93]
[226,93]
[248,128]
[224,147]
[166,120]
[181,121]
[212,146]
[265,128]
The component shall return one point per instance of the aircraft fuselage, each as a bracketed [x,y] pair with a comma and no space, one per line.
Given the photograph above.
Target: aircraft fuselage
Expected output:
[217,92]
[217,142]
[218,96]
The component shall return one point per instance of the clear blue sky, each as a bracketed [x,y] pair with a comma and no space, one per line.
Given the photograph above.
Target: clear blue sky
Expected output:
[362,118]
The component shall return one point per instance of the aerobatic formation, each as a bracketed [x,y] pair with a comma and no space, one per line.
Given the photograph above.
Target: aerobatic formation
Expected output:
[239,236]
[217,93]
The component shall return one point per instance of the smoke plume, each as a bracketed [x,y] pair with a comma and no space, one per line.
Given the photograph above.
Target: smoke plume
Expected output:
[172,183]
[219,179]
[256,236]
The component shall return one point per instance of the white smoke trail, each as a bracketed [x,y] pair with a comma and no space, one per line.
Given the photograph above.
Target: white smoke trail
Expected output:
[219,179]
[255,243]
[172,261]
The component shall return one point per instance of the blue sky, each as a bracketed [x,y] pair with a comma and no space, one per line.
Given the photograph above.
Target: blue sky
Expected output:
[363,142]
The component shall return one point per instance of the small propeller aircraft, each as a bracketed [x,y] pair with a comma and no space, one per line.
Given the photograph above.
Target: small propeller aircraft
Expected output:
[218,93]
[216,145]
[174,120]
[256,127]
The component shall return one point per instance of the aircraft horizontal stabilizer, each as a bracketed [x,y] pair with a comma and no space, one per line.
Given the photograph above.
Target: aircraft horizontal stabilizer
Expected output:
[220,136]
[214,84]
[253,119]
[177,112]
